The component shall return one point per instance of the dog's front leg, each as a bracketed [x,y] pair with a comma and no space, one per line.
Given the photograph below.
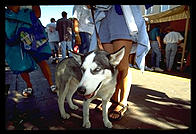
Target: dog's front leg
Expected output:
[106,121]
[86,122]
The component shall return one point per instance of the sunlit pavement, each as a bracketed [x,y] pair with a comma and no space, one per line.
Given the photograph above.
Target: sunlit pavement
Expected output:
[156,101]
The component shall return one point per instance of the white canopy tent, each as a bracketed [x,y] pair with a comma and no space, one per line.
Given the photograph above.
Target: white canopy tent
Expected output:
[177,13]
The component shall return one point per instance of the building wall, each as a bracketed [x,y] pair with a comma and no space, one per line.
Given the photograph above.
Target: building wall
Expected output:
[155,9]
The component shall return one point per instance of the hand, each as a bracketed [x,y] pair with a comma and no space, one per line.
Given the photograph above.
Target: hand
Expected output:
[160,46]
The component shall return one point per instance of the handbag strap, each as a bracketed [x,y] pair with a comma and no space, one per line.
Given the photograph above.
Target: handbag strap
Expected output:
[100,46]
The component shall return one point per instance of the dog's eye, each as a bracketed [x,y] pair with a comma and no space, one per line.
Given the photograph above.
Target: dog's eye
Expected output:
[96,70]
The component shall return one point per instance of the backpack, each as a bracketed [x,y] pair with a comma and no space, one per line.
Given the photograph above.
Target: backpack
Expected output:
[19,56]
[33,38]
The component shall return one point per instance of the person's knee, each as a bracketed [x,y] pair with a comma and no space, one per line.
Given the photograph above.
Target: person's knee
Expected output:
[123,70]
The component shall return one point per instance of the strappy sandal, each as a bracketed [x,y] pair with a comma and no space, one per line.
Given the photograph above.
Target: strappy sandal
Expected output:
[99,107]
[53,88]
[27,92]
[119,113]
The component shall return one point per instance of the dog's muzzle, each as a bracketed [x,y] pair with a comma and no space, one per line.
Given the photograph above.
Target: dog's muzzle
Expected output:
[82,90]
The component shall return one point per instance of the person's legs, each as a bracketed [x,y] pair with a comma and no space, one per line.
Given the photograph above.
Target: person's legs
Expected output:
[86,43]
[69,47]
[153,56]
[56,47]
[158,54]
[172,56]
[27,91]
[113,30]
[124,75]
[25,76]
[52,49]
[63,49]
[167,55]
[123,80]
[46,71]
[81,46]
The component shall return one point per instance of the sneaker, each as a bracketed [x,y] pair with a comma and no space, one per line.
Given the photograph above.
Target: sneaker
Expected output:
[53,88]
[148,69]
[158,69]
[135,66]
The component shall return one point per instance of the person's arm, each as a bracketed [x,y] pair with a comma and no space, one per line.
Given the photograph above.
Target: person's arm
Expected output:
[159,41]
[76,31]
[37,11]
[164,40]
[180,38]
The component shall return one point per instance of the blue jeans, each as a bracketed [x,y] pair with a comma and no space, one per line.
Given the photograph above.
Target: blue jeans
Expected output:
[156,53]
[85,42]
[170,52]
[64,46]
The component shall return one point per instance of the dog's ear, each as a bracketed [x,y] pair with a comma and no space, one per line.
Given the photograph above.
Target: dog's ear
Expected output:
[117,56]
[77,56]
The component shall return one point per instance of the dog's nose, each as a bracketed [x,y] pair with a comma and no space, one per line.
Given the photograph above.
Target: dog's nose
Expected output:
[81,90]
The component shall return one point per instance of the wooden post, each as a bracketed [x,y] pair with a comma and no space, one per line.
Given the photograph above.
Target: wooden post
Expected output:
[185,40]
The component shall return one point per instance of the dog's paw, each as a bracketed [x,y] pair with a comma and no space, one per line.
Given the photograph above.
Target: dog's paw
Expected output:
[108,124]
[65,116]
[86,124]
[74,107]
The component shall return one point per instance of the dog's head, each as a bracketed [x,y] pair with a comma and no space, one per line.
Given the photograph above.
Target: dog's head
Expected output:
[98,68]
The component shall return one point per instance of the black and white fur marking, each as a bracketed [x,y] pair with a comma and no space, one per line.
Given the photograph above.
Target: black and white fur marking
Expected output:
[93,75]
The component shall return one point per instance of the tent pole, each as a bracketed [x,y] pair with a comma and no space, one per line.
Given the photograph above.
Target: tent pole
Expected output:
[185,42]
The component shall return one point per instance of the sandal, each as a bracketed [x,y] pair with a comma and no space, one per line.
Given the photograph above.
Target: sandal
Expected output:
[53,88]
[119,113]
[27,92]
[99,107]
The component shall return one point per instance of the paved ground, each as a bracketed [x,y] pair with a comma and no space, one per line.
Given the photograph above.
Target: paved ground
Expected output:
[157,101]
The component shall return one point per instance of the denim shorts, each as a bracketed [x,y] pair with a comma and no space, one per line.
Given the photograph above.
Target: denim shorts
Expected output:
[113,27]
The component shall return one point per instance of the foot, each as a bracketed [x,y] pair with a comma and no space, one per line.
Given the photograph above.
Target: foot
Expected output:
[117,113]
[158,69]
[148,69]
[99,106]
[27,92]
[53,88]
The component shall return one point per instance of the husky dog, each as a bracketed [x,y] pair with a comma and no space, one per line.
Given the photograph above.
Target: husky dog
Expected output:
[93,75]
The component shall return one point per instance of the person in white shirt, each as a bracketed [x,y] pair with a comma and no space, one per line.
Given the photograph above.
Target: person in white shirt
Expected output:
[53,39]
[86,27]
[172,39]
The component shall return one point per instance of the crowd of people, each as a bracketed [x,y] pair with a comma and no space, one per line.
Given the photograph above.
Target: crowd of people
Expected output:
[81,27]
[170,40]
[78,32]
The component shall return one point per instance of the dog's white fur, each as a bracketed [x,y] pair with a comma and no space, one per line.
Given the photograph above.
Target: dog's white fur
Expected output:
[98,83]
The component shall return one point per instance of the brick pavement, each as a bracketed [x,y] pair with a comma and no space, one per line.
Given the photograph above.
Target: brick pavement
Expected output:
[156,101]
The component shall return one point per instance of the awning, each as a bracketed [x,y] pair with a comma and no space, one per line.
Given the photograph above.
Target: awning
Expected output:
[177,13]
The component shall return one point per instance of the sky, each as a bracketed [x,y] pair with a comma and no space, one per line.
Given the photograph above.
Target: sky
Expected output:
[54,11]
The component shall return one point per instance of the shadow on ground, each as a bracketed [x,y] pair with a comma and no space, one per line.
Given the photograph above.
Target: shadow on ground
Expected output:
[148,109]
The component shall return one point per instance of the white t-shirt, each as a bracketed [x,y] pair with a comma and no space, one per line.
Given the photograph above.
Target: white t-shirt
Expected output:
[83,15]
[53,35]
[172,37]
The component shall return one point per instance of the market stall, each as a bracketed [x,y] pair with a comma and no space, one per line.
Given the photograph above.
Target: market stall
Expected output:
[179,18]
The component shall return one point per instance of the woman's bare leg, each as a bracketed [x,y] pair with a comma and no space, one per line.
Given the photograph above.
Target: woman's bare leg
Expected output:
[124,75]
[46,71]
